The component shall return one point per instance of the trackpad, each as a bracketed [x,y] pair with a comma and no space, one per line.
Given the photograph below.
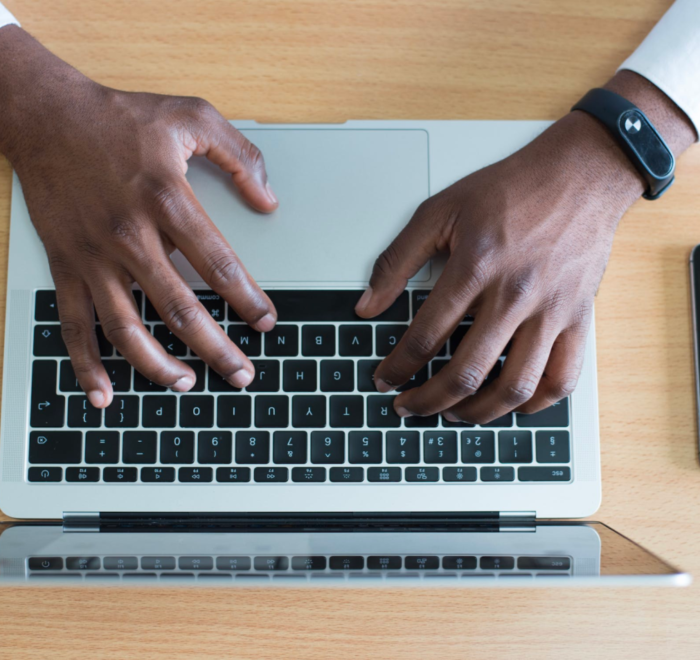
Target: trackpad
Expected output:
[344,194]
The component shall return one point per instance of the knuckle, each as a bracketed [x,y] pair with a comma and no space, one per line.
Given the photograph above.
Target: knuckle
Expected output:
[165,201]
[76,334]
[561,387]
[518,391]
[182,316]
[200,108]
[124,231]
[222,270]
[119,330]
[465,381]
[521,287]
[421,344]
[386,263]
[251,157]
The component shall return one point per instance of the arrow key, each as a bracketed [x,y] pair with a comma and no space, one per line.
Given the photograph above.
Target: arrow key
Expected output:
[48,341]
[47,406]
[169,341]
[46,308]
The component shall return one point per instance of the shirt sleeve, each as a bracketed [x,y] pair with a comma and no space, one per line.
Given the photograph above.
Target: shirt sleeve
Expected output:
[670,57]
[6,18]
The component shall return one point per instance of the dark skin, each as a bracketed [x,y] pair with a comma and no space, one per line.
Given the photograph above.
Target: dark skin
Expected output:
[528,238]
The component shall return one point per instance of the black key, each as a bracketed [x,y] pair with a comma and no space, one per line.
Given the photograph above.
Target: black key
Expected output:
[119,474]
[309,411]
[55,447]
[436,366]
[556,415]
[552,447]
[195,475]
[138,300]
[455,425]
[213,303]
[247,339]
[45,474]
[317,563]
[440,447]
[347,474]
[233,412]
[139,447]
[102,447]
[347,411]
[67,382]
[169,341]
[497,474]
[82,414]
[217,383]
[365,375]
[548,473]
[318,340]
[156,475]
[196,563]
[422,563]
[252,448]
[422,474]
[150,313]
[418,379]
[119,372]
[106,349]
[267,376]
[459,474]
[142,384]
[384,474]
[544,563]
[380,411]
[214,447]
[177,447]
[282,340]
[232,475]
[157,563]
[478,447]
[500,422]
[457,336]
[83,563]
[365,447]
[416,422]
[48,408]
[345,563]
[159,411]
[233,563]
[384,563]
[271,563]
[123,412]
[337,375]
[308,474]
[289,447]
[402,447]
[271,412]
[48,341]
[200,371]
[299,376]
[45,563]
[196,411]
[46,308]
[388,336]
[83,474]
[418,297]
[515,447]
[459,563]
[269,475]
[355,340]
[497,563]
[328,447]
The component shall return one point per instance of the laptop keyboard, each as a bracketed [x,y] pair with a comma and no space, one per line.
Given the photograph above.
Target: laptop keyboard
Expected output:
[312,414]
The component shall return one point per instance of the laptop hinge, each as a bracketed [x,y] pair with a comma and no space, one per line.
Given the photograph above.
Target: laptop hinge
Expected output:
[81,521]
[517,521]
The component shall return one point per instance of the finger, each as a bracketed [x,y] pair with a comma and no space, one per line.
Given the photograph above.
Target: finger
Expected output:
[77,316]
[417,242]
[212,257]
[123,328]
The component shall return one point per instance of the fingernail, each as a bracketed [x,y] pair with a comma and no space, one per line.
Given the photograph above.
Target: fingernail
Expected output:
[382,386]
[450,417]
[96,398]
[184,384]
[241,378]
[270,194]
[266,323]
[402,412]
[363,302]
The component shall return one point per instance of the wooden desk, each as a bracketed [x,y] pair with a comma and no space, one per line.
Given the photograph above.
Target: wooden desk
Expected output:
[327,61]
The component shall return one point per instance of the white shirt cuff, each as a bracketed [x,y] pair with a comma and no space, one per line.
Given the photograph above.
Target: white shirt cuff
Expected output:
[670,57]
[6,18]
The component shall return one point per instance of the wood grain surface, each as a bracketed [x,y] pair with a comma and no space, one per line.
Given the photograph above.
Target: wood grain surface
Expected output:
[327,61]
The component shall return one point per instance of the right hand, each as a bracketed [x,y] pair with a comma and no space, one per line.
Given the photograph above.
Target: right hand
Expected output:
[103,174]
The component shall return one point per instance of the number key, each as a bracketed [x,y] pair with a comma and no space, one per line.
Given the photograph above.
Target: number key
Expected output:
[478,447]
[289,447]
[328,447]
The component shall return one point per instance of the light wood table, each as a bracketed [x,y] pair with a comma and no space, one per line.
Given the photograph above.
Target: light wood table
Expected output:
[327,61]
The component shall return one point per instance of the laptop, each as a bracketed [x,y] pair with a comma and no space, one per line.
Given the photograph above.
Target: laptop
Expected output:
[311,436]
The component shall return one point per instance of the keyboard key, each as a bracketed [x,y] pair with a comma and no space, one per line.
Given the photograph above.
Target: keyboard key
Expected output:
[268,475]
[416,422]
[544,563]
[544,473]
[45,563]
[267,376]
[232,475]
[157,563]
[271,412]
[497,563]
[158,474]
[102,447]
[459,563]
[402,447]
[213,303]
[422,474]
[282,341]
[82,414]
[106,349]
[459,474]
[318,340]
[365,375]
[142,384]
[119,372]
[440,447]
[365,447]
[552,446]
[233,412]
[436,366]
[50,474]
[119,474]
[457,336]
[169,341]
[501,422]
[200,371]
[478,447]
[384,563]
[196,563]
[515,447]
[121,563]
[418,379]
[299,376]
[328,447]
[233,563]
[247,339]
[67,382]
[252,448]
[196,411]
[150,312]
[455,425]
[159,411]
[387,337]
[83,563]
[337,375]
[497,474]
[45,308]
[177,447]
[418,297]
[355,340]
[217,383]
[556,415]
[346,563]
[308,474]
[271,563]
[48,341]
[309,411]
[317,563]
[384,474]
[347,411]
[422,563]
[289,447]
[140,447]
[195,474]
[55,447]
[47,407]
[380,411]
[347,474]
[83,474]
[214,447]
[123,412]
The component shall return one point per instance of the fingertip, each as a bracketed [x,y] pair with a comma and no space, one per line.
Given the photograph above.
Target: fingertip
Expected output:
[382,386]
[271,195]
[363,302]
[266,323]
[242,378]
[99,399]
[184,384]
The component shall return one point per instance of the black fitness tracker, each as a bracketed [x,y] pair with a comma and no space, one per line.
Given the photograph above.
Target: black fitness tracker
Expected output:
[637,137]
